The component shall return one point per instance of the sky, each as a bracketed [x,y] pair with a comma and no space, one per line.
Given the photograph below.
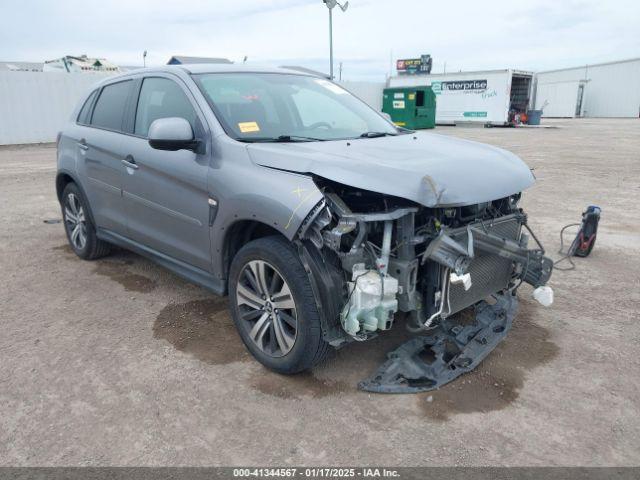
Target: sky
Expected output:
[459,34]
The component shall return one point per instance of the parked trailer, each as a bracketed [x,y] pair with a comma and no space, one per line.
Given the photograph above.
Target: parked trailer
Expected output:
[493,97]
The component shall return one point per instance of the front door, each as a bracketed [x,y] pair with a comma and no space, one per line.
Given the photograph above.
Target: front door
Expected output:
[165,193]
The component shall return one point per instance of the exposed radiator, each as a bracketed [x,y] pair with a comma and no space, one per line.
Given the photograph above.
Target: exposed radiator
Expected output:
[489,273]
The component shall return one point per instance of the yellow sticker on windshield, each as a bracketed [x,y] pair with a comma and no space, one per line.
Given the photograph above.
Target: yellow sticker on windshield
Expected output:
[248,127]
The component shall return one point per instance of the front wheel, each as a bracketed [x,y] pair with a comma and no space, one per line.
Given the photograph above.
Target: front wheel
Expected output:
[274,308]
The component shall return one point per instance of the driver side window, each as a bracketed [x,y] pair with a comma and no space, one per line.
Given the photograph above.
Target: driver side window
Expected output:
[161,98]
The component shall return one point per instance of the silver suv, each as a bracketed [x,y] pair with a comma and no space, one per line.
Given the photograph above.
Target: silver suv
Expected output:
[319,218]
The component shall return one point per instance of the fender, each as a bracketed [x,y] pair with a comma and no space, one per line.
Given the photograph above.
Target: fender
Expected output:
[282,203]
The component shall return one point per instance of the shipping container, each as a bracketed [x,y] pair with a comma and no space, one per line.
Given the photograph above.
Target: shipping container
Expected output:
[493,97]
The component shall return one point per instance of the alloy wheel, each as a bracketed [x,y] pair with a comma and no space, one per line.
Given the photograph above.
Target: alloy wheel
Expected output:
[267,308]
[75,222]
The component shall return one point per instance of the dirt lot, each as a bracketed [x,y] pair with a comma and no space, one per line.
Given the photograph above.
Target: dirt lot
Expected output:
[119,362]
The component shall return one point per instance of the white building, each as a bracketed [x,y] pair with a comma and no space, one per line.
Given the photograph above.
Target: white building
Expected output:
[81,64]
[20,66]
[602,90]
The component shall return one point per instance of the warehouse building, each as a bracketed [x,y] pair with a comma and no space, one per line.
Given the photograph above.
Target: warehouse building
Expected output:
[602,90]
[185,60]
[20,66]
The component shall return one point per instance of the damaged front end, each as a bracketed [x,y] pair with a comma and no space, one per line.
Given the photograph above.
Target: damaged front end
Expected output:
[372,255]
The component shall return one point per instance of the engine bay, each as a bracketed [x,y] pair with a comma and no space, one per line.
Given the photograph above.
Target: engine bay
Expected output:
[372,256]
[393,255]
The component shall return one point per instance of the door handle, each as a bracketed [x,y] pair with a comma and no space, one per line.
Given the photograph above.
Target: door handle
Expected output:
[129,162]
[82,144]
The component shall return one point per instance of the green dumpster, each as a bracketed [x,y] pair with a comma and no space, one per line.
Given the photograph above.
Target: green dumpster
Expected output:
[410,107]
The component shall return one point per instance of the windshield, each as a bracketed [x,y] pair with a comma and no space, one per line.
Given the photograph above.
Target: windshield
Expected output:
[257,107]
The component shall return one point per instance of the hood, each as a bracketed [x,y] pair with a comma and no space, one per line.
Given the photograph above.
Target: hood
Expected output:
[430,169]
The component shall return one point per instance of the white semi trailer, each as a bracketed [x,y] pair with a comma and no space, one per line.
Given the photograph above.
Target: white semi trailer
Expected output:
[492,97]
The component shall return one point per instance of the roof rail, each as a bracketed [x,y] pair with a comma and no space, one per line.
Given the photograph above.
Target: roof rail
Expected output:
[307,70]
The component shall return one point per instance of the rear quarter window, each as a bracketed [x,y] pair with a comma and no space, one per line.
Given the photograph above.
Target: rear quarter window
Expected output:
[110,106]
[85,112]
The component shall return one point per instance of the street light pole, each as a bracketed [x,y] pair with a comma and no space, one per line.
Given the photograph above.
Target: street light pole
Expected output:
[330,42]
[330,5]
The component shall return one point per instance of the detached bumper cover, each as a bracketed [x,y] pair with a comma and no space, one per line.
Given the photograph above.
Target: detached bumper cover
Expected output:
[428,362]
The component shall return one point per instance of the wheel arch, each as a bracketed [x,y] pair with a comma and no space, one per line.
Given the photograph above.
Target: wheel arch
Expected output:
[254,215]
[241,232]
[64,178]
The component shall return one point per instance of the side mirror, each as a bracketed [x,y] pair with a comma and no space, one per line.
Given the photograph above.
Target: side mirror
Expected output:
[172,134]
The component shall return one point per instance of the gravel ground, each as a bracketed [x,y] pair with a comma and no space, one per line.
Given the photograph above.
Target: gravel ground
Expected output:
[119,362]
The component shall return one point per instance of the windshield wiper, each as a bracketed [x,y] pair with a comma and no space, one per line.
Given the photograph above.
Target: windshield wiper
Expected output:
[377,134]
[297,138]
[282,139]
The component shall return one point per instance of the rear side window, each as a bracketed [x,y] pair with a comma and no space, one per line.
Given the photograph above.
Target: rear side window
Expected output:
[161,98]
[109,109]
[83,116]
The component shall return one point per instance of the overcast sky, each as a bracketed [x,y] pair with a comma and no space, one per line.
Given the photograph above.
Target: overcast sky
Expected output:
[467,35]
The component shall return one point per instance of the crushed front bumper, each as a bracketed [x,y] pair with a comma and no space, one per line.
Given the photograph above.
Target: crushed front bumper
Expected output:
[428,362]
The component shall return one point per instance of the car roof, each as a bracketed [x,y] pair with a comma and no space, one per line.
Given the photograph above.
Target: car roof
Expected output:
[203,68]
[235,68]
[198,68]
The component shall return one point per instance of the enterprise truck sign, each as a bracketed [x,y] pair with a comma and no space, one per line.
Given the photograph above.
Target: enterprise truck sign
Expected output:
[465,85]
[471,86]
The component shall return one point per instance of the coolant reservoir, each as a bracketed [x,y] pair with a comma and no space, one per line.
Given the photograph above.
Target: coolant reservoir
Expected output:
[372,302]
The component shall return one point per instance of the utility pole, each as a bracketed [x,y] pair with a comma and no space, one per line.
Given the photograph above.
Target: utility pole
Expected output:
[390,63]
[330,43]
[340,72]
[331,5]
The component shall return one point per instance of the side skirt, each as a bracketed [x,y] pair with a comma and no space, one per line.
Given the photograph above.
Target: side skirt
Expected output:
[184,270]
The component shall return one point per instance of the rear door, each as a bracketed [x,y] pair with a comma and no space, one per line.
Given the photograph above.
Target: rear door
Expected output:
[100,154]
[165,192]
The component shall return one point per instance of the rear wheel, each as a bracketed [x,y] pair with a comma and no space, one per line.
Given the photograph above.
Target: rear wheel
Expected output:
[80,230]
[274,308]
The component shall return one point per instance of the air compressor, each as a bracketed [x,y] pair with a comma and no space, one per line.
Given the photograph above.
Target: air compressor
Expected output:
[584,240]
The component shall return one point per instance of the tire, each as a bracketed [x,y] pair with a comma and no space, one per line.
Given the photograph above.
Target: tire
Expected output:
[270,341]
[80,230]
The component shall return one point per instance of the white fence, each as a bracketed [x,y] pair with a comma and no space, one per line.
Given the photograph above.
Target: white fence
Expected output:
[35,105]
[370,92]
